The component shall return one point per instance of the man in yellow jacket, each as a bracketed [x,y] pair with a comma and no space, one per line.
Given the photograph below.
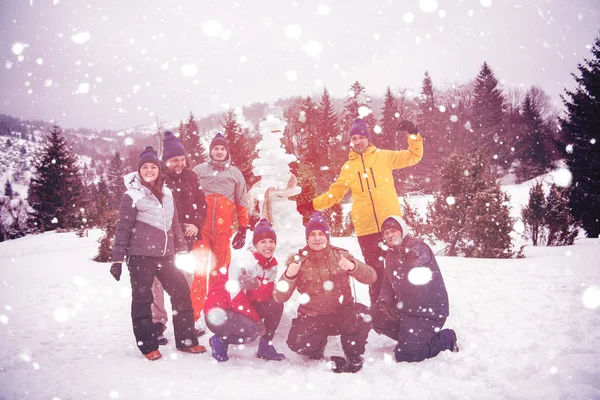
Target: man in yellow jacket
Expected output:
[368,173]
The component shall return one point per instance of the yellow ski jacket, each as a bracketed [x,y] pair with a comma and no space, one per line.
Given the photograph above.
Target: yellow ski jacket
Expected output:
[369,176]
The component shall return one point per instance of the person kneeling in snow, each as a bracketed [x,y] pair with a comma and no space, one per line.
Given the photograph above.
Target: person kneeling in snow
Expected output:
[413,304]
[240,305]
[321,273]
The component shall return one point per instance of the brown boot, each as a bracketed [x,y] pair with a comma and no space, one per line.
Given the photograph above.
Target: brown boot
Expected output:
[193,349]
[153,355]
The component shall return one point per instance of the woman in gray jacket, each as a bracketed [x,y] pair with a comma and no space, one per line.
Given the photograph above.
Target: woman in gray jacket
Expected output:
[149,235]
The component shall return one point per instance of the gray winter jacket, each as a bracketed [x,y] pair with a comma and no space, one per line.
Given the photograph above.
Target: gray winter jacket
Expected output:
[146,227]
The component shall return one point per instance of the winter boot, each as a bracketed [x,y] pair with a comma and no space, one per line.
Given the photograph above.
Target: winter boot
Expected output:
[219,348]
[160,329]
[153,355]
[267,351]
[162,340]
[197,349]
[355,363]
[454,347]
[199,332]
[341,365]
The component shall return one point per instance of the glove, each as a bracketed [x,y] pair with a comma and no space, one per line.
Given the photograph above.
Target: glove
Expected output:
[239,240]
[385,310]
[407,126]
[248,282]
[305,208]
[115,270]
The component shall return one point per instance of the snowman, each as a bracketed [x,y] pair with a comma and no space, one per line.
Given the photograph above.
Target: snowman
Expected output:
[271,193]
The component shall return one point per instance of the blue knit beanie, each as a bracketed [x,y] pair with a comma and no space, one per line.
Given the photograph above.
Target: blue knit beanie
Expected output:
[148,156]
[318,221]
[263,230]
[359,127]
[171,147]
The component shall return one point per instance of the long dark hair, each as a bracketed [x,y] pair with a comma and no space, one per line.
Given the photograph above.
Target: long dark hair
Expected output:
[157,186]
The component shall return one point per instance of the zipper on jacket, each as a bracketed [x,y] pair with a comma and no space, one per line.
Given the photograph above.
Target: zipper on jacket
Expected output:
[370,194]
[374,183]
[360,180]
[165,229]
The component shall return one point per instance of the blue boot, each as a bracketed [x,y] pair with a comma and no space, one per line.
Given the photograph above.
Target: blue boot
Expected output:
[219,348]
[266,351]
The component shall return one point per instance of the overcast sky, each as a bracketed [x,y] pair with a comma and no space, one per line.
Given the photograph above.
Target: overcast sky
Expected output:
[119,64]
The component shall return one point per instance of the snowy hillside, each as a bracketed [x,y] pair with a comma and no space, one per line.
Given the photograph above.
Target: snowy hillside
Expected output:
[527,328]
[15,162]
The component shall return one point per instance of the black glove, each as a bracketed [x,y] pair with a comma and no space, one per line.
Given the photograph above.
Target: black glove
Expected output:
[407,126]
[305,208]
[386,311]
[239,240]
[115,270]
[248,282]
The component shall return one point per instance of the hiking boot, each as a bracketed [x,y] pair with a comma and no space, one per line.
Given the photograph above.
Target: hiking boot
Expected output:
[219,348]
[199,332]
[454,347]
[153,355]
[267,351]
[161,340]
[355,363]
[341,365]
[197,349]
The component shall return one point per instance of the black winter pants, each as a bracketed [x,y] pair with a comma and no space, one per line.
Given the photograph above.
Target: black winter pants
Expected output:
[238,328]
[417,338]
[142,271]
[308,335]
[373,255]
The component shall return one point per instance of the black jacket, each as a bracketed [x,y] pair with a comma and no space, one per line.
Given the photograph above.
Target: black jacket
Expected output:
[419,296]
[189,200]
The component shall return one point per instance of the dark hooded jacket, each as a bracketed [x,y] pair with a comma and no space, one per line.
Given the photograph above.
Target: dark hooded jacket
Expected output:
[413,282]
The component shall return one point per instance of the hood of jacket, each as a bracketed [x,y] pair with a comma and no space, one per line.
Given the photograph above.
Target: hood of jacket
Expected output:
[400,221]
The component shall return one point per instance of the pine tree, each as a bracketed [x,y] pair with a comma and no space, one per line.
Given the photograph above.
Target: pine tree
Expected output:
[471,213]
[337,153]
[358,98]
[8,189]
[488,115]
[56,188]
[389,121]
[432,129]
[114,180]
[241,146]
[562,226]
[414,221]
[190,139]
[535,145]
[313,139]
[533,214]
[582,124]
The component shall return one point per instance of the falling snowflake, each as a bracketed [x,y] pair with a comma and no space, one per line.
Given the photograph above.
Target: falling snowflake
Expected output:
[212,28]
[80,37]
[293,31]
[428,5]
[313,48]
[189,69]
[18,48]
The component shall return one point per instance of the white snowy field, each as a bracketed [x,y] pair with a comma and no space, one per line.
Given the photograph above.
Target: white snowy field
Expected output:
[528,329]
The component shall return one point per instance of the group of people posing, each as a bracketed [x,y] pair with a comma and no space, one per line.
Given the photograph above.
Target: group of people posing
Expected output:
[169,208]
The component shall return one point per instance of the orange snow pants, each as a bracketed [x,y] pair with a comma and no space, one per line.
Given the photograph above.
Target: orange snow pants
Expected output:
[213,252]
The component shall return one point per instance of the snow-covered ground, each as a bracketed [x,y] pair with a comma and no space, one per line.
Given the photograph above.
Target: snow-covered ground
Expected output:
[528,329]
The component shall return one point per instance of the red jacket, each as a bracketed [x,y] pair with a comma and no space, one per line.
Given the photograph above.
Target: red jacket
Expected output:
[227,293]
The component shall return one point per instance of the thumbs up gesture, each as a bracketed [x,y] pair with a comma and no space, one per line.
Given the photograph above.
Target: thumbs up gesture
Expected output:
[346,264]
